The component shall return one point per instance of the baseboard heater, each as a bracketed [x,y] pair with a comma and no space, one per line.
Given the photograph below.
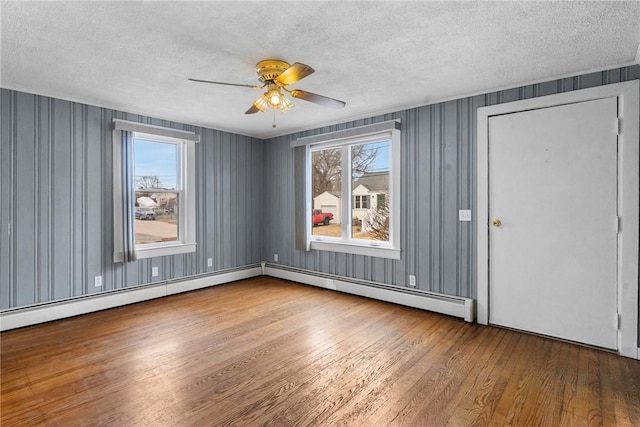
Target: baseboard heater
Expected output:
[53,310]
[440,303]
[13,318]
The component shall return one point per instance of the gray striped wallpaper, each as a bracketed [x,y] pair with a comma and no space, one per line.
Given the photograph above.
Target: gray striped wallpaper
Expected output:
[56,197]
[438,179]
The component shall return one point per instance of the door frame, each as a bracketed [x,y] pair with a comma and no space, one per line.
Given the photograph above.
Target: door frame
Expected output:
[628,94]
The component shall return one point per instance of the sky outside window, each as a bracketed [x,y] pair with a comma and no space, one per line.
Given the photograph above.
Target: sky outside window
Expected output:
[381,162]
[159,159]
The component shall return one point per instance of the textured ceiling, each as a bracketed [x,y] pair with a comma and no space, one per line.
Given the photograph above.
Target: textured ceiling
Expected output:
[378,57]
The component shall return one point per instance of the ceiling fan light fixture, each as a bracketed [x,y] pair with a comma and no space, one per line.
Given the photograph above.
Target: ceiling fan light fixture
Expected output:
[262,103]
[275,98]
[285,104]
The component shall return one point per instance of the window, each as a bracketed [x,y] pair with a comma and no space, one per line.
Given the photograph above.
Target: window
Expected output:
[353,177]
[158,189]
[154,180]
[361,202]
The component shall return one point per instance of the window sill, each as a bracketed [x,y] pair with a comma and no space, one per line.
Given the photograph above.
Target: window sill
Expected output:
[351,248]
[165,250]
[176,249]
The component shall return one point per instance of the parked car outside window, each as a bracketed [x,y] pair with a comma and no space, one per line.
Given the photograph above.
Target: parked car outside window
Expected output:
[145,213]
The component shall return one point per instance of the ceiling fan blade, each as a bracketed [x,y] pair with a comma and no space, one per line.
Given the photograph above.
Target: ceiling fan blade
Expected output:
[226,84]
[317,99]
[252,110]
[294,73]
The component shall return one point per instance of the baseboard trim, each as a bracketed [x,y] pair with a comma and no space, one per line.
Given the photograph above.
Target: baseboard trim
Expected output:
[431,301]
[46,312]
[55,310]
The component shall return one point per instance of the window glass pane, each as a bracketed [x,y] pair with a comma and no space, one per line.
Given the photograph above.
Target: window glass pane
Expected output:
[156,217]
[156,164]
[370,188]
[156,210]
[326,189]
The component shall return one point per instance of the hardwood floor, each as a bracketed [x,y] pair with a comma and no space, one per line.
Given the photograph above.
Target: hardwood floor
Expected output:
[270,352]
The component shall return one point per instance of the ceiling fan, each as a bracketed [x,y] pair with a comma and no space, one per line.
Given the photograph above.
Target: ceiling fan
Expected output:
[275,76]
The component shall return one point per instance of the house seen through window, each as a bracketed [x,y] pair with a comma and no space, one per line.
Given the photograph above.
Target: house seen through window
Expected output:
[350,184]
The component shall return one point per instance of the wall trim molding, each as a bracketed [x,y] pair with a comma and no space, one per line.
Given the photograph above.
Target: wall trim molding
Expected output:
[55,310]
[431,301]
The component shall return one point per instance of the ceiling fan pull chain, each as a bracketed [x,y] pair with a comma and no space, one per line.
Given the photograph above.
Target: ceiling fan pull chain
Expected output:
[274,119]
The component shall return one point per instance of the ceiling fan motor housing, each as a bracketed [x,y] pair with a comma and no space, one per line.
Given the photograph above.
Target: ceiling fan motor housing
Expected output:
[270,69]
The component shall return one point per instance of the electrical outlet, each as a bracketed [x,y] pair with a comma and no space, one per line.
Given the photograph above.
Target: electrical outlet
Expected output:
[412,280]
[209,262]
[97,281]
[154,271]
[275,257]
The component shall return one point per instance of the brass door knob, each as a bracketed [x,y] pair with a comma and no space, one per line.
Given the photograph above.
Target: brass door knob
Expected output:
[496,222]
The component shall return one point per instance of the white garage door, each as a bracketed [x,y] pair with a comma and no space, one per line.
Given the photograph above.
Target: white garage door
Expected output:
[332,209]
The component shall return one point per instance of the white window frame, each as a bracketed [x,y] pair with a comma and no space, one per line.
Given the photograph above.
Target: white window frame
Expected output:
[185,142]
[390,249]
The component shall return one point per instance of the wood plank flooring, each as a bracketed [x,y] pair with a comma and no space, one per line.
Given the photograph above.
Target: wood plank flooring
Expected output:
[270,352]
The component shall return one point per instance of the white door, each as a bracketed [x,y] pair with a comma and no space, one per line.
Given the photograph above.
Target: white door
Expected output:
[553,189]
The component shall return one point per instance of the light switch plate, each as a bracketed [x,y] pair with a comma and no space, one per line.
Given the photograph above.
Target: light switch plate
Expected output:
[209,262]
[464,215]
[154,271]
[97,281]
